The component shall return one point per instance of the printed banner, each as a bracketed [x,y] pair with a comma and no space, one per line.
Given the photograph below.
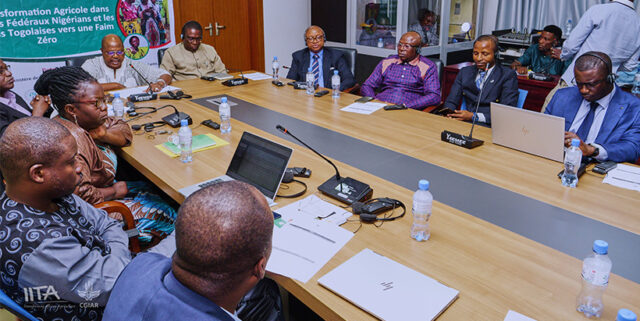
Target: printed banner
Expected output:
[41,34]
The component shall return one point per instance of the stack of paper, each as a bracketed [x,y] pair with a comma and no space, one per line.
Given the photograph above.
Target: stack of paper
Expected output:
[313,207]
[624,176]
[363,108]
[125,93]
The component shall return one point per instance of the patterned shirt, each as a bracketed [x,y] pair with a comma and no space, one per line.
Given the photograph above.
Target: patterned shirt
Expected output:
[539,62]
[129,11]
[125,75]
[414,84]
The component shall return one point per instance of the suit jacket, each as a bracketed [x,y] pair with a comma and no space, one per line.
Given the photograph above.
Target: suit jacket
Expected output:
[620,131]
[501,87]
[331,58]
[9,115]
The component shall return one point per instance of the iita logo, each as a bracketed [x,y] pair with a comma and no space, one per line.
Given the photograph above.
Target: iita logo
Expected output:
[40,293]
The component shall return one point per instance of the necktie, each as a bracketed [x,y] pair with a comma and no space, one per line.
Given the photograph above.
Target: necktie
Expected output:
[481,78]
[316,68]
[583,131]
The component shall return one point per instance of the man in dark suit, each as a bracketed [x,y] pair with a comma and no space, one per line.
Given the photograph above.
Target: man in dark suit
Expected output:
[12,106]
[485,81]
[322,60]
[596,111]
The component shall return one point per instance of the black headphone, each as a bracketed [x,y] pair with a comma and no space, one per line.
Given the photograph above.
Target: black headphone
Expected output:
[369,209]
[611,77]
[288,178]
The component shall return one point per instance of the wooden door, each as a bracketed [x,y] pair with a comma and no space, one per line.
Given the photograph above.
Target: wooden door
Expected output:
[240,37]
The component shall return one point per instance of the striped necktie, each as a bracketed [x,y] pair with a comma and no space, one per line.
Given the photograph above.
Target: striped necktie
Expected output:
[481,78]
[316,68]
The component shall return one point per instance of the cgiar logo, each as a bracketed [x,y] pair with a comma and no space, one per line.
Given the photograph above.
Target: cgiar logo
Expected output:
[88,293]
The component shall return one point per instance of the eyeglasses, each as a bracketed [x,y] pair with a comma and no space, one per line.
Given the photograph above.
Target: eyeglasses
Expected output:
[405,45]
[589,85]
[5,69]
[98,103]
[315,39]
[193,39]
[113,53]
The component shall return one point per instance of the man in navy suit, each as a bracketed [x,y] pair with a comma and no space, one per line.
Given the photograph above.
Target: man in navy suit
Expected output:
[485,81]
[596,111]
[322,61]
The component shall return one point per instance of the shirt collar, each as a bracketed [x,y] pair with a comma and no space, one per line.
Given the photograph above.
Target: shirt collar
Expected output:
[320,54]
[8,97]
[625,2]
[189,296]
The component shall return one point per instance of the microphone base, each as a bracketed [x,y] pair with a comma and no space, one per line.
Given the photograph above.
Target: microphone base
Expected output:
[346,190]
[236,82]
[143,97]
[460,140]
[174,119]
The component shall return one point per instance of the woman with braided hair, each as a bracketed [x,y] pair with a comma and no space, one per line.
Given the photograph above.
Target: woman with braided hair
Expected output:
[80,102]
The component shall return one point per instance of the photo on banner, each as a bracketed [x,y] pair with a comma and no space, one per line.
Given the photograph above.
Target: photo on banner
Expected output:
[40,35]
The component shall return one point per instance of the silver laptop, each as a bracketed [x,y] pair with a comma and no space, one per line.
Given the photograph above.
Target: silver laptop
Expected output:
[528,131]
[257,161]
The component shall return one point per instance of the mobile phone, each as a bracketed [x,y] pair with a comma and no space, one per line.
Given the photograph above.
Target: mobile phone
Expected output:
[605,167]
[321,93]
[364,99]
[581,170]
[211,124]
[394,107]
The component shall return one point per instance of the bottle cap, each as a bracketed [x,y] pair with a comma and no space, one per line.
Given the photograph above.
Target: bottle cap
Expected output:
[569,21]
[335,71]
[575,142]
[626,315]
[116,95]
[423,184]
[275,57]
[600,247]
[184,122]
[379,39]
[223,99]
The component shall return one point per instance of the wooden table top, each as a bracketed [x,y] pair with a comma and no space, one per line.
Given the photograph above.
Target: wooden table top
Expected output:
[494,269]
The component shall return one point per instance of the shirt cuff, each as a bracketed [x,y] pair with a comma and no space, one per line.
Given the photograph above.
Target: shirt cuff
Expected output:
[602,154]
[481,118]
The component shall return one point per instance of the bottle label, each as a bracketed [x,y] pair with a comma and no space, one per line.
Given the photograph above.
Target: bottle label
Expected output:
[595,277]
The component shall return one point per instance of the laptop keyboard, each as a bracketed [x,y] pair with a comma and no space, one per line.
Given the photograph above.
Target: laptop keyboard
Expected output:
[209,183]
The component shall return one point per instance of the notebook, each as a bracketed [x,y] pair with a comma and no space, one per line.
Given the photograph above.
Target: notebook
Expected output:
[528,131]
[387,289]
[257,161]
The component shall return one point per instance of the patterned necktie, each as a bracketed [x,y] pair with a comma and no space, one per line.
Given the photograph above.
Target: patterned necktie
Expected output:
[316,68]
[585,127]
[482,73]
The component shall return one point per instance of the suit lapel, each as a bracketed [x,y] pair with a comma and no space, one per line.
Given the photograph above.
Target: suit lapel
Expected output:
[326,67]
[306,63]
[612,117]
[495,74]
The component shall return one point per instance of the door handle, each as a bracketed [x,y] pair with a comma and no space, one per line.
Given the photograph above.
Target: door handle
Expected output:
[218,27]
[210,28]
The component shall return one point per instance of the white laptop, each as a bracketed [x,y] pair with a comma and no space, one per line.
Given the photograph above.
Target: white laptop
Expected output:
[388,289]
[257,161]
[528,131]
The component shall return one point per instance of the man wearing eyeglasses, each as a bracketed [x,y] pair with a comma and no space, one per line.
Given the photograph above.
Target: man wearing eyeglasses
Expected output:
[113,69]
[406,78]
[191,58]
[321,60]
[596,111]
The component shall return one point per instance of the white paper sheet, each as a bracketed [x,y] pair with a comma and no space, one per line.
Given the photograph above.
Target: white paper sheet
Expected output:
[515,316]
[257,76]
[124,93]
[302,246]
[624,176]
[313,207]
[363,108]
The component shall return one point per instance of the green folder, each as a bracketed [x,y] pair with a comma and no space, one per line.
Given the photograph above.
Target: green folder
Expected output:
[199,142]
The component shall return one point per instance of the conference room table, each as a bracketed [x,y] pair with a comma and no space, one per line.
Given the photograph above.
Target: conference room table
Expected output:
[505,232]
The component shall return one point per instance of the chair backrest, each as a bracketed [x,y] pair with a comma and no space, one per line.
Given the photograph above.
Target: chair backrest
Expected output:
[78,61]
[439,65]
[350,55]
[161,54]
[522,95]
[14,308]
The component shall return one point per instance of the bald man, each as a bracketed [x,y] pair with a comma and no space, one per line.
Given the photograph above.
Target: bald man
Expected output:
[406,78]
[223,239]
[113,69]
[323,61]
[57,250]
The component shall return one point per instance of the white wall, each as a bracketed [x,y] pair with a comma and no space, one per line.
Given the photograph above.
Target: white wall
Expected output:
[284,25]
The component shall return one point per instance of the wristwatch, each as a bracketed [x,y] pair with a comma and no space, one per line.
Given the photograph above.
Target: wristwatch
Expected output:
[596,152]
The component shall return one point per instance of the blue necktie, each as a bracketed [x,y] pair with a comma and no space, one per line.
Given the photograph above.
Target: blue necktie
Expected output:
[585,127]
[481,78]
[316,68]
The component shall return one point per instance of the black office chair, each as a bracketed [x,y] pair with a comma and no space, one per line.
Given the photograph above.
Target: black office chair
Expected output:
[78,61]
[439,65]
[349,55]
[160,55]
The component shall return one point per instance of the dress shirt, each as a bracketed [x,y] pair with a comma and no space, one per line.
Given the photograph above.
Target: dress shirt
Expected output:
[320,57]
[598,118]
[539,62]
[124,75]
[612,28]
[481,117]
[9,99]
[414,84]
[183,64]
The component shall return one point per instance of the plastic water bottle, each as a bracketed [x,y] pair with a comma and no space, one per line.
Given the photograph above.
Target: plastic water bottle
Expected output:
[225,116]
[335,84]
[636,84]
[572,159]
[118,106]
[380,43]
[311,82]
[185,138]
[422,202]
[275,66]
[568,26]
[626,315]
[595,277]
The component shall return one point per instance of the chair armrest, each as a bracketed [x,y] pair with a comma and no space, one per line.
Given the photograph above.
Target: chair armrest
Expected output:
[119,211]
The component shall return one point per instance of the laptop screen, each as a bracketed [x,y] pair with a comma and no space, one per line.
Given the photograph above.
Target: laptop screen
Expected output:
[260,162]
